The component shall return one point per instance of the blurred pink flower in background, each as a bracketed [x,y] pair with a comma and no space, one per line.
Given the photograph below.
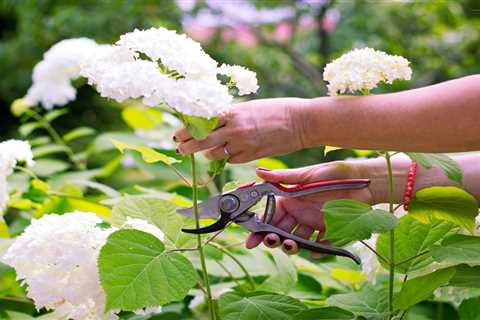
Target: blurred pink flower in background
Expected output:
[283,31]
[330,21]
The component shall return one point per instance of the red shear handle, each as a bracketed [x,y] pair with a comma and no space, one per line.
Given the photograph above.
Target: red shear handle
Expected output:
[319,185]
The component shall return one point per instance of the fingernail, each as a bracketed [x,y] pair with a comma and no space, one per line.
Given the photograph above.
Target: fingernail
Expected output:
[263,169]
[270,242]
[174,138]
[287,246]
[178,151]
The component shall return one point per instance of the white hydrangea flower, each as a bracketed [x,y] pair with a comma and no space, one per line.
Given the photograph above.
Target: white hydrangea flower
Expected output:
[143,225]
[163,67]
[52,76]
[56,257]
[148,311]
[364,69]
[175,51]
[245,80]
[12,152]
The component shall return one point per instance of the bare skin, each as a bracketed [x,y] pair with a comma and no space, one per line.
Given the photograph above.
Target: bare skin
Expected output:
[438,118]
[304,214]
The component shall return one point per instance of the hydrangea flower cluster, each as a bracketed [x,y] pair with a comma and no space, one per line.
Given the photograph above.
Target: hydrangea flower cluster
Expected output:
[56,257]
[164,67]
[12,152]
[53,75]
[364,69]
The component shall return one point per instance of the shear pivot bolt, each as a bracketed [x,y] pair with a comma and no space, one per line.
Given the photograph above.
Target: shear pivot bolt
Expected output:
[229,203]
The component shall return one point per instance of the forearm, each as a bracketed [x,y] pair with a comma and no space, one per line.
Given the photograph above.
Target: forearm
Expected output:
[376,170]
[438,118]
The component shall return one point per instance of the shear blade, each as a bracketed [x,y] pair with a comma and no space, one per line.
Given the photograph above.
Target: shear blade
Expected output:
[206,209]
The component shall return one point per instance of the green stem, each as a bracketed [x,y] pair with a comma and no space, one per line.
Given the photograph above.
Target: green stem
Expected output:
[238,262]
[206,281]
[56,137]
[391,200]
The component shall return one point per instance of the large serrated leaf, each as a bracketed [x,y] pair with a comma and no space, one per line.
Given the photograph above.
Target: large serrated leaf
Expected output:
[286,276]
[258,306]
[327,313]
[458,249]
[444,203]
[159,212]
[466,277]
[421,288]
[349,220]
[370,302]
[136,271]
[449,166]
[199,127]
[412,238]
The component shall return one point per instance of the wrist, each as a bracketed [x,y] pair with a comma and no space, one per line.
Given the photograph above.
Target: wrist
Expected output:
[376,171]
[313,122]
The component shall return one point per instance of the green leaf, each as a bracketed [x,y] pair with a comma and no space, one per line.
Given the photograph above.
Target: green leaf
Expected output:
[217,167]
[159,212]
[466,277]
[26,129]
[258,306]
[54,114]
[48,149]
[469,309]
[12,315]
[286,276]
[370,302]
[411,239]
[136,272]
[271,164]
[48,167]
[79,133]
[444,203]
[449,166]
[458,249]
[349,220]
[149,155]
[142,118]
[327,313]
[421,288]
[199,127]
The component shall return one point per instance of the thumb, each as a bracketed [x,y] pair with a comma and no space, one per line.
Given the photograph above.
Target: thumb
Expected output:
[304,175]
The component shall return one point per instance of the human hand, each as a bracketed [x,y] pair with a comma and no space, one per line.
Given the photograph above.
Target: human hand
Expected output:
[303,215]
[249,131]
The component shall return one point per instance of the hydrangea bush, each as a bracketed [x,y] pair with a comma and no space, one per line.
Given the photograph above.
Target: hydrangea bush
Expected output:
[85,244]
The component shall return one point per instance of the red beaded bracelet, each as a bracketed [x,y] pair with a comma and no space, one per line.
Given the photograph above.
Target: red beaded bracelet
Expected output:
[410,184]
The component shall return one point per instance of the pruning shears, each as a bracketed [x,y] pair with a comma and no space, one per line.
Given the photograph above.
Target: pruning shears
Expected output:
[234,206]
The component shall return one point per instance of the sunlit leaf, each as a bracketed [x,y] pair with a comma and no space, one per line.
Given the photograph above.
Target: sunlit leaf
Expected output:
[445,203]
[349,276]
[271,164]
[412,238]
[418,289]
[136,271]
[4,233]
[199,127]
[142,118]
[449,166]
[149,155]
[327,149]
[349,220]
[159,212]
[40,185]
[458,248]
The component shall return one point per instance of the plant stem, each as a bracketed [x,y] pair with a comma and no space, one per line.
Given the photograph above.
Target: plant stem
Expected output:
[412,258]
[240,265]
[56,137]
[374,251]
[206,282]
[391,201]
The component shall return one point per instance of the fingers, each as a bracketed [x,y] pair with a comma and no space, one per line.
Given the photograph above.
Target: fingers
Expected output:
[216,138]
[304,175]
[181,135]
[217,153]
